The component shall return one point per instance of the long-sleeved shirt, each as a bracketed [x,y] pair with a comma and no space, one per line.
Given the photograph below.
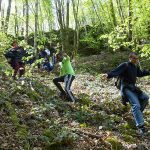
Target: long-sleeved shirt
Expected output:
[66,67]
[128,72]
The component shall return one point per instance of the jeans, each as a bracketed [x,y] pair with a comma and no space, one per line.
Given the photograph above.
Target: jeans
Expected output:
[138,103]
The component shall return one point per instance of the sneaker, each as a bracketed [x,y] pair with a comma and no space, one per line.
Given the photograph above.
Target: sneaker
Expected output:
[141,130]
[62,96]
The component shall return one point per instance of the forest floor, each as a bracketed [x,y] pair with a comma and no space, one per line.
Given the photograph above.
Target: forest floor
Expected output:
[33,117]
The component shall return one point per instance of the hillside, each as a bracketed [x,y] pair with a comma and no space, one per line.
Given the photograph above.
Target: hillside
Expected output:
[33,117]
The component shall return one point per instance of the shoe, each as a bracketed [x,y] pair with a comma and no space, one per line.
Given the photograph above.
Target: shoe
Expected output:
[62,96]
[141,130]
[14,78]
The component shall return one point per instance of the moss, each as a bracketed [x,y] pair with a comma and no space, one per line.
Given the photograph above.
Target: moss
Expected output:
[129,139]
[33,95]
[127,129]
[84,99]
[115,144]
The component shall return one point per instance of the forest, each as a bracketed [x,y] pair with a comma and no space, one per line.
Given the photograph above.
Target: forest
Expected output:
[84,45]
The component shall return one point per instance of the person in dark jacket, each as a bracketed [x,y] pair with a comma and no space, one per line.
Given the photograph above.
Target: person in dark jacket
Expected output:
[15,55]
[128,72]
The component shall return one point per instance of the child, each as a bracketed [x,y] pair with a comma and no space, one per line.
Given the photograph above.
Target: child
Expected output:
[15,55]
[67,75]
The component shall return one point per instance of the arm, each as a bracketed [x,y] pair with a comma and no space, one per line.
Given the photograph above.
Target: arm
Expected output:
[66,57]
[117,71]
[142,73]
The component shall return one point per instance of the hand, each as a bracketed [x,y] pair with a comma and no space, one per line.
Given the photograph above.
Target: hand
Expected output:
[65,55]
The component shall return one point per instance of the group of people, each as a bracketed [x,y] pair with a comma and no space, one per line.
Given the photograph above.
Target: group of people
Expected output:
[127,71]
[17,57]
[49,59]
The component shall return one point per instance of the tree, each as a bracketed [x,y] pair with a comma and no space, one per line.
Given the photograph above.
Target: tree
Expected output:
[27,20]
[63,23]
[36,25]
[112,11]
[8,15]
[76,36]
[130,20]
[120,10]
[0,5]
[16,21]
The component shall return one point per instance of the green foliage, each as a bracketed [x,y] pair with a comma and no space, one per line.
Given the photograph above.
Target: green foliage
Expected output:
[145,50]
[90,43]
[57,136]
[84,99]
[4,45]
[141,24]
[118,38]
[115,144]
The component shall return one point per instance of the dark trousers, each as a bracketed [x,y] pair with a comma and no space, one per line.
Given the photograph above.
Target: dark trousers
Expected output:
[67,79]
[18,67]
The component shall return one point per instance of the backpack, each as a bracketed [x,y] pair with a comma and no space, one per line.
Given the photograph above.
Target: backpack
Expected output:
[9,54]
[118,80]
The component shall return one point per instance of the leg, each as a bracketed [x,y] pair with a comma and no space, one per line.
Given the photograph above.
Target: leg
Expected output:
[58,85]
[68,82]
[143,98]
[16,68]
[136,108]
[21,69]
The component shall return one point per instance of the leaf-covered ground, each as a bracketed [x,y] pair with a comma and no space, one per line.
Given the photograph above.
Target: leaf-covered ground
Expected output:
[33,117]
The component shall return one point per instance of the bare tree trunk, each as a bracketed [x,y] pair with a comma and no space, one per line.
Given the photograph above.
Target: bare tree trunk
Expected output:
[60,14]
[112,12]
[36,26]
[96,13]
[8,16]
[27,20]
[48,10]
[76,36]
[23,23]
[16,22]
[2,20]
[119,7]
[0,5]
[130,20]
[67,26]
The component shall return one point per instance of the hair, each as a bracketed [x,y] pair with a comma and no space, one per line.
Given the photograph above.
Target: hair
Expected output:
[132,53]
[59,54]
[14,43]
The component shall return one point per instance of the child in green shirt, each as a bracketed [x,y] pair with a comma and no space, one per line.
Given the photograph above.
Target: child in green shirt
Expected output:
[67,75]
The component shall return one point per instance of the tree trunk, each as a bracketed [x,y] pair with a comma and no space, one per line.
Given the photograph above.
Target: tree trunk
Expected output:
[63,27]
[67,28]
[119,7]
[96,13]
[130,20]
[76,35]
[112,12]
[36,26]
[8,16]
[2,20]
[0,5]
[27,21]
[16,22]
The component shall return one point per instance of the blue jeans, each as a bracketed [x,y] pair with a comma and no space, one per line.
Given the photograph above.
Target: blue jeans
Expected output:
[138,104]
